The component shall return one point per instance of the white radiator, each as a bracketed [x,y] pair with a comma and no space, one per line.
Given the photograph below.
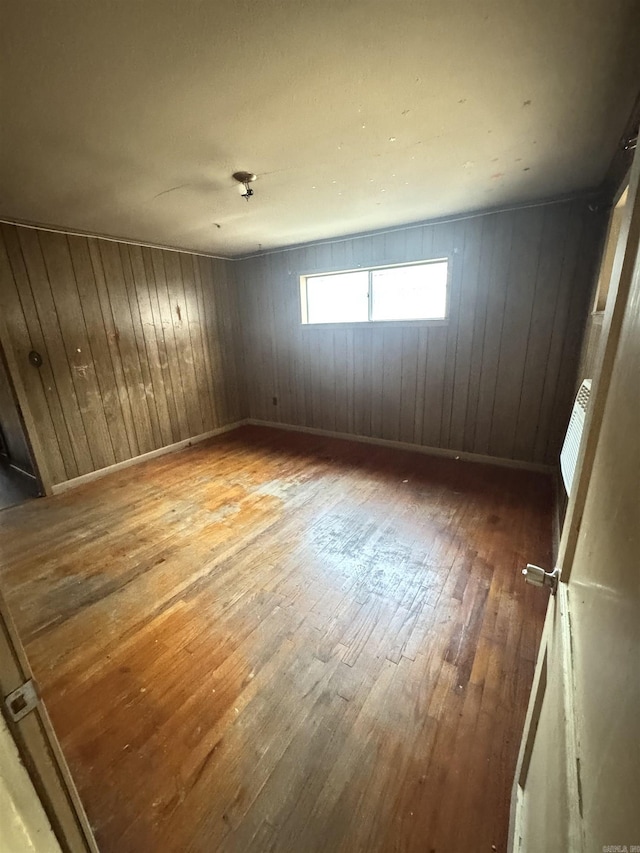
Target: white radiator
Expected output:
[571,446]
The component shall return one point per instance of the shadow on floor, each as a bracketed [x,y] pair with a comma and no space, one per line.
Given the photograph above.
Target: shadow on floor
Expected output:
[15,487]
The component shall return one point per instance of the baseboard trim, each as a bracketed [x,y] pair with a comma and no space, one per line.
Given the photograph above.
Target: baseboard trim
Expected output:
[153,454]
[59,488]
[415,448]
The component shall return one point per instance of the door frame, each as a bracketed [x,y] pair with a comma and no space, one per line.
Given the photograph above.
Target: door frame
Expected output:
[39,749]
[38,455]
[23,425]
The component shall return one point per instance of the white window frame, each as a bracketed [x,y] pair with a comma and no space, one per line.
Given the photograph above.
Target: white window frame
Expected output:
[369,322]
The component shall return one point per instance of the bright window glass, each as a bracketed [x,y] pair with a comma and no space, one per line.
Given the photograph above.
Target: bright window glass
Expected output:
[409,293]
[341,298]
[380,294]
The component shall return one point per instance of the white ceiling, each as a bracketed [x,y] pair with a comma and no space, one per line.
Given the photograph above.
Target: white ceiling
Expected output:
[128,118]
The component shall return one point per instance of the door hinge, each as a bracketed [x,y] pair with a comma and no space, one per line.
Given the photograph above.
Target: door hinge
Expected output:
[22,700]
[538,577]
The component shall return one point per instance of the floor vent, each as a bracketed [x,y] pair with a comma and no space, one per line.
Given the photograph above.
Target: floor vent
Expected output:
[571,446]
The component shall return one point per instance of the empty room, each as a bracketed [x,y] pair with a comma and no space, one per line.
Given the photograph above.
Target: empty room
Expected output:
[319,426]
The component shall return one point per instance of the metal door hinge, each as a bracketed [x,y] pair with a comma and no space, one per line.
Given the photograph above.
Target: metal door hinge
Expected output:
[22,701]
[538,577]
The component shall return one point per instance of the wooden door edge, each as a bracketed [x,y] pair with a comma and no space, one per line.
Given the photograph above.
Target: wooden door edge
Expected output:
[39,749]
[532,717]
[558,606]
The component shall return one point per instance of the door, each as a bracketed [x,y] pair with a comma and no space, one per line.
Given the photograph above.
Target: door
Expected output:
[37,744]
[14,443]
[577,784]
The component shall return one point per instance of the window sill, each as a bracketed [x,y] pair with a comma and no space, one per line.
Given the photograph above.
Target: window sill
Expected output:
[378,324]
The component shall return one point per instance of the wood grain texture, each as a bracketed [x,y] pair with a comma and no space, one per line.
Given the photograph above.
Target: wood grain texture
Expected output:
[496,380]
[140,346]
[590,346]
[604,581]
[283,642]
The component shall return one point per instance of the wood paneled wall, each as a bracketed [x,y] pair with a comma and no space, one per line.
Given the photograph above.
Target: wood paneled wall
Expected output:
[496,380]
[140,346]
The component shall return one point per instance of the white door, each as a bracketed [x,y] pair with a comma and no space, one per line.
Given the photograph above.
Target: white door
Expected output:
[577,786]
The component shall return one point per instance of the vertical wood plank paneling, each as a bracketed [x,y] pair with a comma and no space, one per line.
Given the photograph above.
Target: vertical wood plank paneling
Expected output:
[271,341]
[112,339]
[54,342]
[484,266]
[524,258]
[495,379]
[376,380]
[77,345]
[453,328]
[463,361]
[492,332]
[126,344]
[419,243]
[191,272]
[360,426]
[253,284]
[300,351]
[173,359]
[421,370]
[547,287]
[370,388]
[284,344]
[221,331]
[22,338]
[328,380]
[233,337]
[349,335]
[433,399]
[182,337]
[230,339]
[391,383]
[568,272]
[220,403]
[342,373]
[165,380]
[145,296]
[408,379]
[134,358]
[100,352]
[146,387]
[442,246]
[193,357]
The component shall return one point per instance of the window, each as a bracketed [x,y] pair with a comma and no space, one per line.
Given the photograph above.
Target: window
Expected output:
[381,294]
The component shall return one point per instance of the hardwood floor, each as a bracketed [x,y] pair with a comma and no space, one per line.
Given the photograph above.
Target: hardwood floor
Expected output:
[275,641]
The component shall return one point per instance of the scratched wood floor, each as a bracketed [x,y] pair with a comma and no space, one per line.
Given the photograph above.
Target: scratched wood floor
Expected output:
[279,642]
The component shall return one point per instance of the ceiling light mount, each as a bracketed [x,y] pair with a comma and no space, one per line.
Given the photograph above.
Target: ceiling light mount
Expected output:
[245,179]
